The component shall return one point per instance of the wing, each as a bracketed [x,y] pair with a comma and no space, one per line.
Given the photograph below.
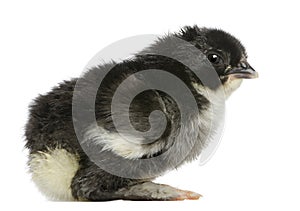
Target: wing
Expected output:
[133,120]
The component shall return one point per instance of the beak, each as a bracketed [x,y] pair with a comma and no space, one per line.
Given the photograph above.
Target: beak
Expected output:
[246,71]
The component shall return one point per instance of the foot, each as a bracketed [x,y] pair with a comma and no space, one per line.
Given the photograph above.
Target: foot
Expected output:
[150,191]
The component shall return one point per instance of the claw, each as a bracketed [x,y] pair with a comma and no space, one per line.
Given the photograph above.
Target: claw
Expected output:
[187,195]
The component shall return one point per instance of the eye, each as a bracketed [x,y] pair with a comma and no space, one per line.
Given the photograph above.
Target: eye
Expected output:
[215,58]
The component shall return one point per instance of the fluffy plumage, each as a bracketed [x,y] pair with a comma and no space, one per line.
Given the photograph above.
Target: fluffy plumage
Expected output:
[50,132]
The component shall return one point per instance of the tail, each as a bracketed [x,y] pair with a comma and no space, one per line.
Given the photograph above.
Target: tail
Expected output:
[53,171]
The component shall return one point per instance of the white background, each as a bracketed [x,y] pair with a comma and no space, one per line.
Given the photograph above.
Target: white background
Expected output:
[256,166]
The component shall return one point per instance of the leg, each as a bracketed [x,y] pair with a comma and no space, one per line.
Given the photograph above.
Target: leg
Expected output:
[93,184]
[155,192]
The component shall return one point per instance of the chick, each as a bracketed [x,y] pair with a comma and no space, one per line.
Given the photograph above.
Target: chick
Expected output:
[63,170]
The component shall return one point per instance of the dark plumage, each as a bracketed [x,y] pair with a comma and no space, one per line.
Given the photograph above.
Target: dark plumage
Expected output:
[61,168]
